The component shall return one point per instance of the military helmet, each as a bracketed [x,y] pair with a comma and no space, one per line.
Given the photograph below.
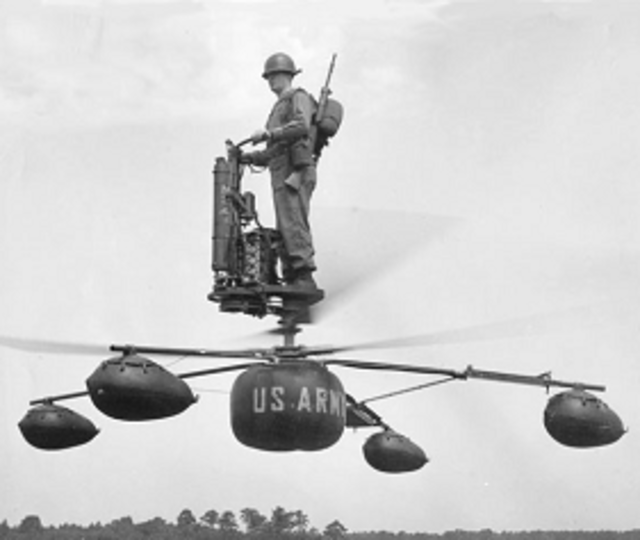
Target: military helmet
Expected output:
[279,63]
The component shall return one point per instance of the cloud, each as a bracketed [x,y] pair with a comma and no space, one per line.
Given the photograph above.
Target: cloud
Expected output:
[78,64]
[72,63]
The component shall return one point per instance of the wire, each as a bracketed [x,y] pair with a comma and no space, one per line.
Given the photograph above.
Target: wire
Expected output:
[409,389]
[174,362]
[211,390]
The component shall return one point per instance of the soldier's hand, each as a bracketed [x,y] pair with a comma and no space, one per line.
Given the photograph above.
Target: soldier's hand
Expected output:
[234,151]
[260,136]
[245,158]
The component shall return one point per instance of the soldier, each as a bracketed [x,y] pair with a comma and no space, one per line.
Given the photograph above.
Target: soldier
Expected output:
[289,156]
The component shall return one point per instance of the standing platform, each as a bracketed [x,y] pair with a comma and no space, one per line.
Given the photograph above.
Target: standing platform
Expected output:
[284,301]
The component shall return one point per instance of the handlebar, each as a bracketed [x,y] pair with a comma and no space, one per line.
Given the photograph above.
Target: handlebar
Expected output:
[241,143]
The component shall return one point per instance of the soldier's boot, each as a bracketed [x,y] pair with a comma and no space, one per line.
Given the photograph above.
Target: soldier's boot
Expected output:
[289,275]
[304,280]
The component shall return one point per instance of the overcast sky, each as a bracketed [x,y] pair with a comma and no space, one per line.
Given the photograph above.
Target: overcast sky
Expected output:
[486,170]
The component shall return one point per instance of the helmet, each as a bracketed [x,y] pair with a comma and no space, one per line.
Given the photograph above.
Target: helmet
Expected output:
[279,63]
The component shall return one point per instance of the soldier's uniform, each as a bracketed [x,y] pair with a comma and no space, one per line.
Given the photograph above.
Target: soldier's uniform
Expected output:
[289,156]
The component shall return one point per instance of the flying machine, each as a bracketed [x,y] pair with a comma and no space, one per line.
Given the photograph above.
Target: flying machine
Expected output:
[285,397]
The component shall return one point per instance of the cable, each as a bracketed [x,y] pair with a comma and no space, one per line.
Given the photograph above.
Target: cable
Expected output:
[409,389]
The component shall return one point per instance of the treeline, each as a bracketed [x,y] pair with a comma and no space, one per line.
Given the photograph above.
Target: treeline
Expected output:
[212,525]
[488,534]
[251,524]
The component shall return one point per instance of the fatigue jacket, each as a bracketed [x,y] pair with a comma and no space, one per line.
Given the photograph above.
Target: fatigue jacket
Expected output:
[289,124]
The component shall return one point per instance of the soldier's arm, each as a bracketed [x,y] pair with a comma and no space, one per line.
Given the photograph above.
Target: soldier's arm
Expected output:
[261,158]
[300,123]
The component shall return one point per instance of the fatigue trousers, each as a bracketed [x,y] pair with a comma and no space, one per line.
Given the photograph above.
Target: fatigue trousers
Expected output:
[292,206]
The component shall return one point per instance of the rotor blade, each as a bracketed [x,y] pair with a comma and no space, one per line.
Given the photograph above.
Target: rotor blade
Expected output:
[51,346]
[348,259]
[541,323]
[354,245]
[71,347]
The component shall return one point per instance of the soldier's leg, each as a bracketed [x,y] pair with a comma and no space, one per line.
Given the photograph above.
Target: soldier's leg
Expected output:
[282,225]
[292,220]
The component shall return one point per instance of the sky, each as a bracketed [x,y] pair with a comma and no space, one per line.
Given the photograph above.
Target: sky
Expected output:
[485,172]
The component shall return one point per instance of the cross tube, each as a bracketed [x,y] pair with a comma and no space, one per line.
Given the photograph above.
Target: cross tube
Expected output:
[544,380]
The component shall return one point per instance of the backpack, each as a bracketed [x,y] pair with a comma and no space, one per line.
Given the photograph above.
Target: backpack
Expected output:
[328,125]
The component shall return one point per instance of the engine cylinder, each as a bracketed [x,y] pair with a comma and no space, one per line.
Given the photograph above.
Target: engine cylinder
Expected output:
[222,216]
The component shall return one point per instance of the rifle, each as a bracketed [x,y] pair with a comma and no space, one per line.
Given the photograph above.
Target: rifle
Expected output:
[325,92]
[328,116]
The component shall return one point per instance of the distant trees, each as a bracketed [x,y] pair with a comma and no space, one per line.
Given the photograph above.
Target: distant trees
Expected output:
[120,528]
[286,523]
[210,518]
[335,531]
[152,528]
[30,525]
[227,522]
[282,524]
[253,520]
[299,521]
[255,524]
[186,519]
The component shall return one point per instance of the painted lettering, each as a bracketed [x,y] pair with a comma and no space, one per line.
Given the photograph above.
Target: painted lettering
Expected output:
[337,404]
[318,400]
[271,401]
[321,400]
[304,403]
[259,400]
[277,395]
